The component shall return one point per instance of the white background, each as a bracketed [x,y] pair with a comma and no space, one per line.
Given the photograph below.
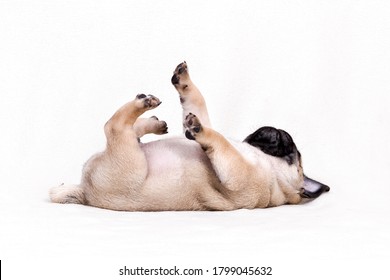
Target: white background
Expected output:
[318,69]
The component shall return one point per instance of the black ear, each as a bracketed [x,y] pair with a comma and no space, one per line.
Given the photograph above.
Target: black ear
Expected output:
[274,142]
[313,188]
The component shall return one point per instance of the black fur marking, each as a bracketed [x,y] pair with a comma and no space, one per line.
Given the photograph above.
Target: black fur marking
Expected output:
[189,135]
[140,96]
[274,142]
[175,79]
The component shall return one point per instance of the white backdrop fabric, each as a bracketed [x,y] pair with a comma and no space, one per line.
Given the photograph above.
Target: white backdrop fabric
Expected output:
[317,69]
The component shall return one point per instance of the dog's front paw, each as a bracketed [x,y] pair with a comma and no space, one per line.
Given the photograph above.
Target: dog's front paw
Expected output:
[193,126]
[180,75]
[147,102]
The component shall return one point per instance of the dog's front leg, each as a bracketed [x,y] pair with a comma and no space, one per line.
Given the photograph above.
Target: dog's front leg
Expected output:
[235,172]
[190,97]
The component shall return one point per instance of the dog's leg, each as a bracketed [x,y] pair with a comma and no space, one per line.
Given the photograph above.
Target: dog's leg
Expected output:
[115,178]
[190,97]
[119,171]
[153,125]
[234,171]
[123,120]
[122,140]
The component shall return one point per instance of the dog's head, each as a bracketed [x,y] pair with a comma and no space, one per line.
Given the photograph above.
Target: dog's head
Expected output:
[278,143]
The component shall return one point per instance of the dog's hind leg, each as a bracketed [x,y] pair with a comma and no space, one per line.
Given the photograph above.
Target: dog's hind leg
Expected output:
[235,172]
[153,125]
[111,179]
[190,97]
[123,120]
[123,150]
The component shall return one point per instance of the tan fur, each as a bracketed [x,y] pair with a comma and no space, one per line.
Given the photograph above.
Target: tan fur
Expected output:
[210,173]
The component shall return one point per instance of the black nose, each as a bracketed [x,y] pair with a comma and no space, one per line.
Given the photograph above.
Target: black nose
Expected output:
[313,188]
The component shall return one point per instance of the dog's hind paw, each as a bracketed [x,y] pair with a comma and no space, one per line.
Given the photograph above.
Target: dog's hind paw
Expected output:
[160,127]
[193,126]
[147,102]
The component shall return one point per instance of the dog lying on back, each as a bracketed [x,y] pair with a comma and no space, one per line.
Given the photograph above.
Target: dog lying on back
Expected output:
[201,171]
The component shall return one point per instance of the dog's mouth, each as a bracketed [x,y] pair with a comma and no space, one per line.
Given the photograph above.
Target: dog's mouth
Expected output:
[312,188]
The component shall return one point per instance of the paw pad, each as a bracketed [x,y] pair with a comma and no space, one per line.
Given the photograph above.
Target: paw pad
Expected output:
[148,101]
[179,73]
[193,126]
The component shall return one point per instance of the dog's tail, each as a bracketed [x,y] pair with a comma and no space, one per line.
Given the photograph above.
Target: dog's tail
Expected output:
[67,194]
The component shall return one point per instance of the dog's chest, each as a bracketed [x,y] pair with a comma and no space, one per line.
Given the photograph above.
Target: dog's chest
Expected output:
[251,154]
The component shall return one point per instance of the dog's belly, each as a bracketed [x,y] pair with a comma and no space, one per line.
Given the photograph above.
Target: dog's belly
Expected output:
[179,176]
[174,155]
[170,155]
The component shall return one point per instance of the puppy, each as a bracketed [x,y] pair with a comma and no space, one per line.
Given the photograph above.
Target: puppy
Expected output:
[201,171]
